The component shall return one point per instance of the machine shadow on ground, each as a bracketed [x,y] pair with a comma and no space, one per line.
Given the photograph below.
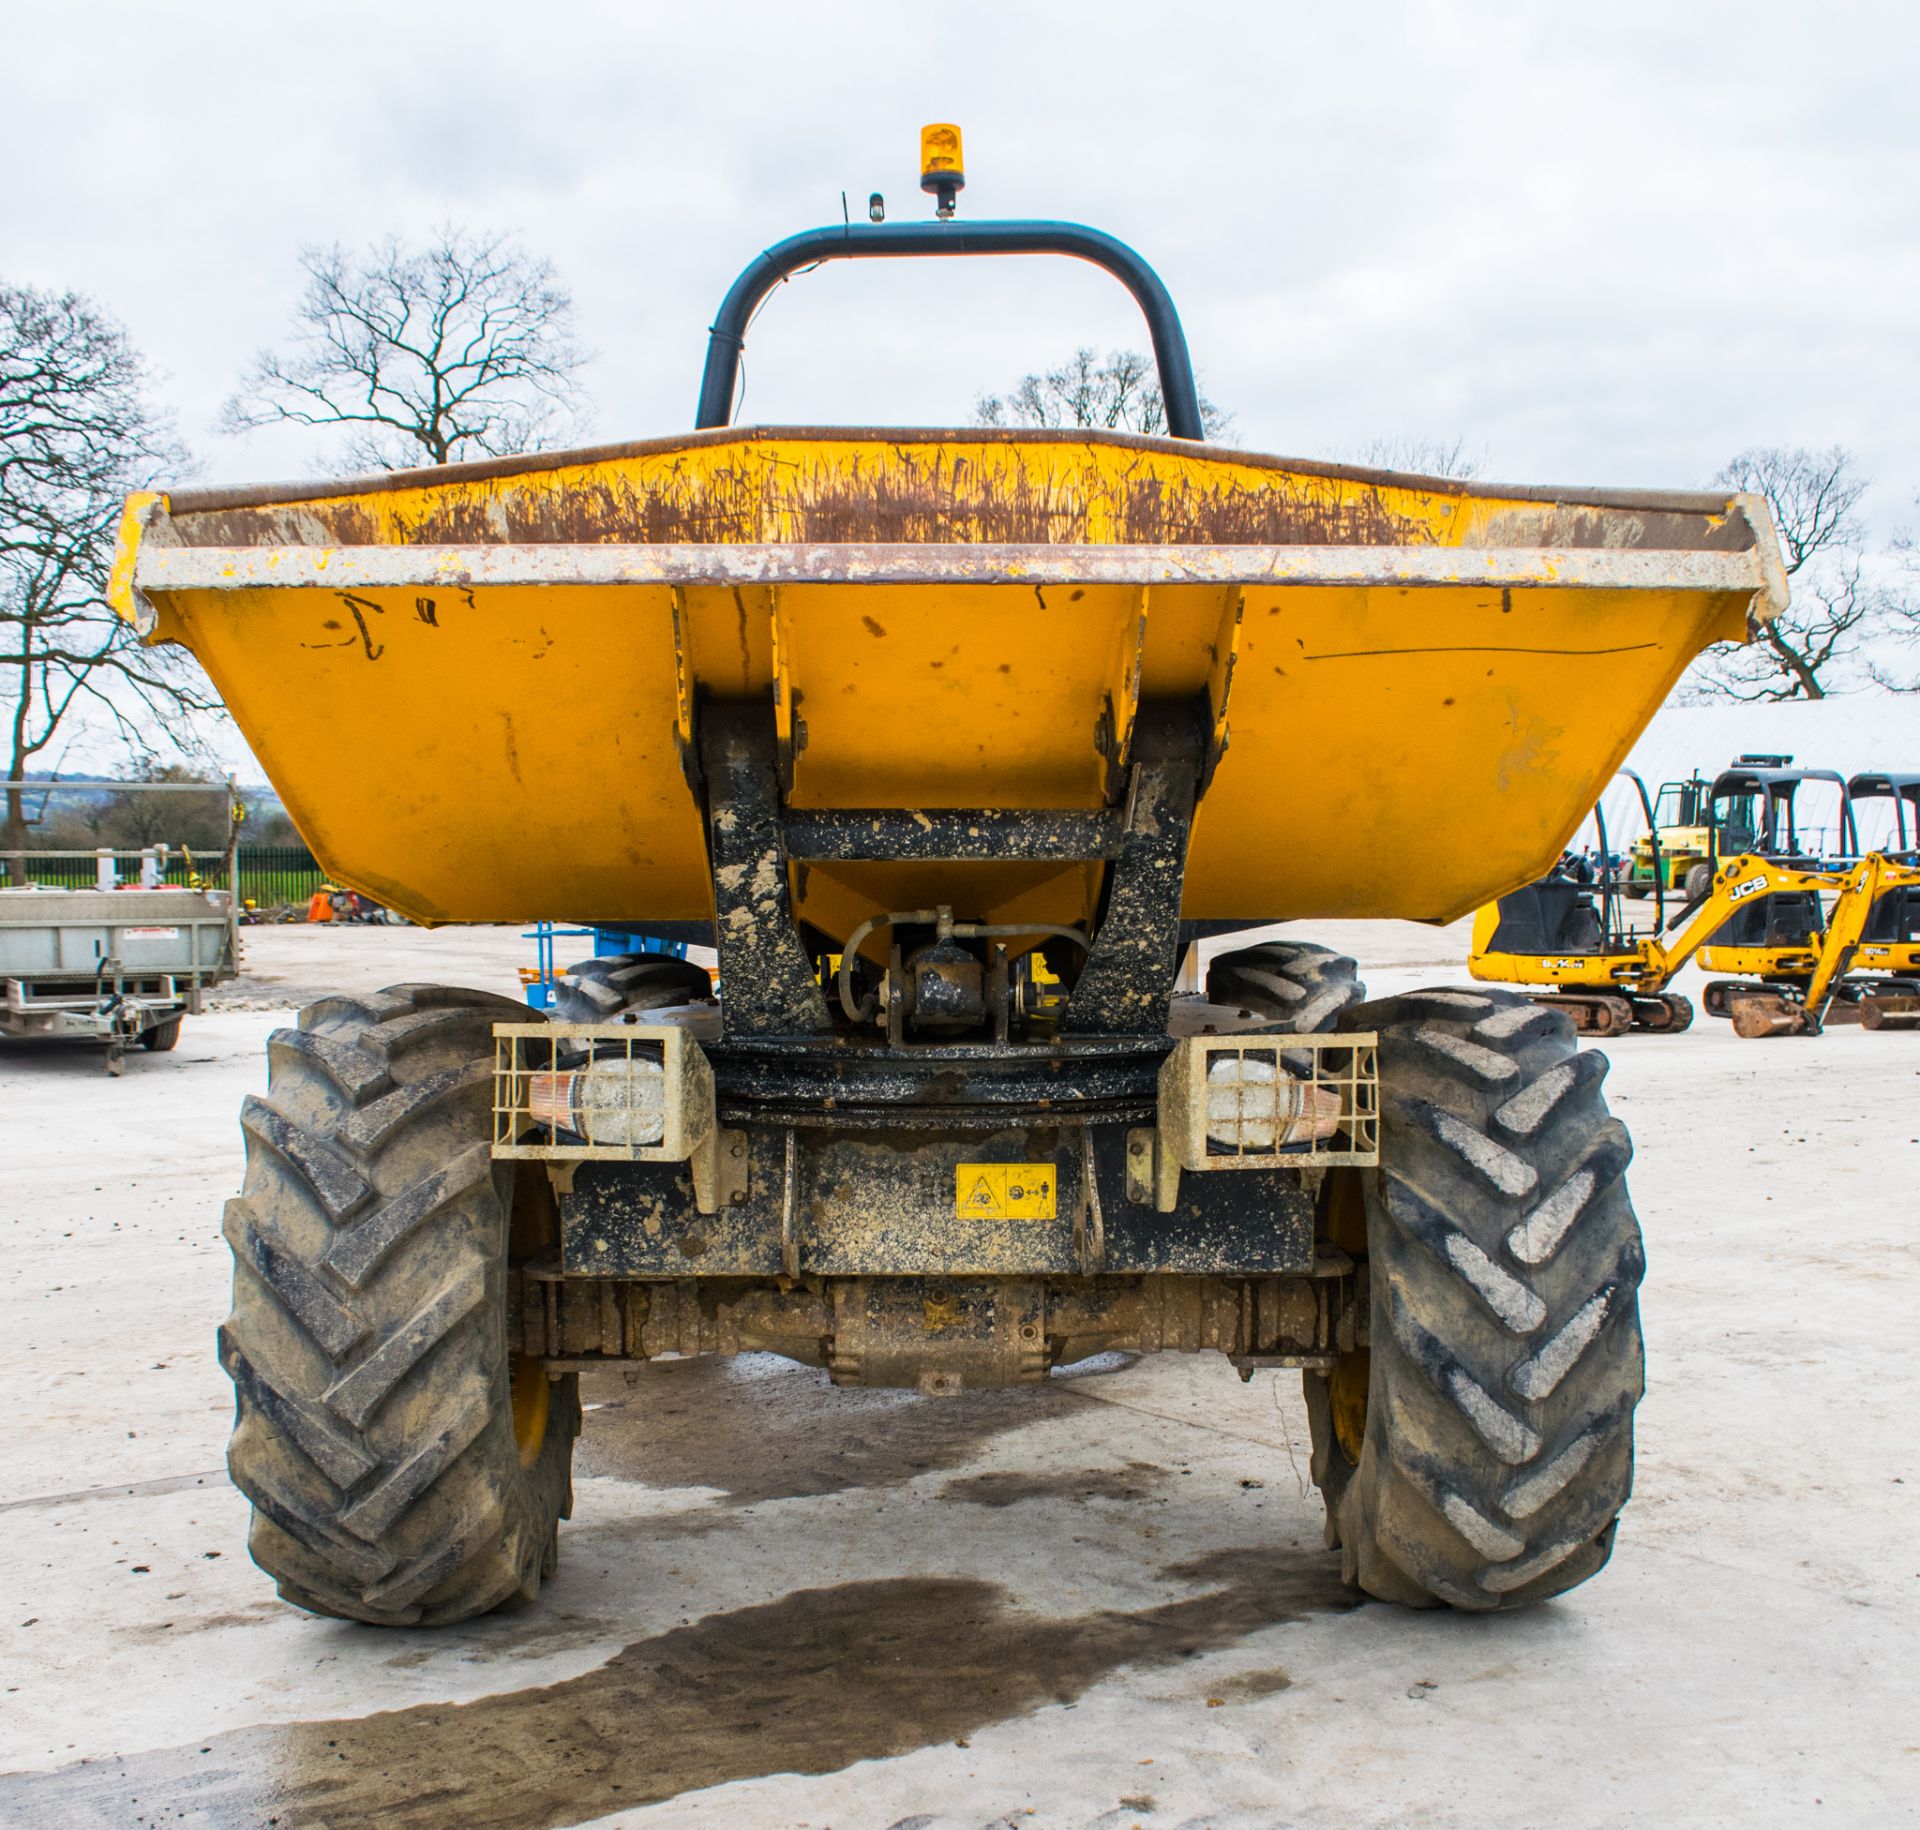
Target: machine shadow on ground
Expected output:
[754,1427]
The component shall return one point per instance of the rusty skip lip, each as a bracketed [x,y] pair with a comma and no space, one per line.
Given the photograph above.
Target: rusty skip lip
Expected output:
[202,499]
[164,568]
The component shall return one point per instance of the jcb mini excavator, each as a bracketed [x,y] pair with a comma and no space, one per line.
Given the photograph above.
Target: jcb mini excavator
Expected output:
[1772,945]
[1888,957]
[1782,1002]
[1886,962]
[1569,932]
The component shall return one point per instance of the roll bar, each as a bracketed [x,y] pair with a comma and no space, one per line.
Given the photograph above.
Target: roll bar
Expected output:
[1779,786]
[1902,788]
[864,241]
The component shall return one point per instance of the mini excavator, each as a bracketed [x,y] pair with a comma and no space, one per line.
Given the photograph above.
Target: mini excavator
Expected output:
[1764,918]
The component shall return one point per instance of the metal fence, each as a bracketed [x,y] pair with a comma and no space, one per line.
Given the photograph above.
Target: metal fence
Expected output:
[273,875]
[270,875]
[109,868]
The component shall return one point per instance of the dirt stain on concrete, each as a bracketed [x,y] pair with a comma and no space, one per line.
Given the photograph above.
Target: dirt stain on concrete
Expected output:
[808,1684]
[756,1428]
[158,1632]
[1251,1686]
[1010,1487]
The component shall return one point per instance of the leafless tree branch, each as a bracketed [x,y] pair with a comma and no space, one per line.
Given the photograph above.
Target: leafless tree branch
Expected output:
[1117,392]
[1903,619]
[462,348]
[1839,603]
[77,432]
[1812,495]
[1426,457]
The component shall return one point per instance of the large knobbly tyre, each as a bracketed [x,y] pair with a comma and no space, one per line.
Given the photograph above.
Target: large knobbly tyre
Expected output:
[1295,983]
[599,990]
[404,1469]
[1481,1454]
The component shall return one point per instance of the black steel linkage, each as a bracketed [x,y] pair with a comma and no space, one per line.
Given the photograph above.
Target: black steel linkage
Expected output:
[1126,985]
[951,834]
[768,982]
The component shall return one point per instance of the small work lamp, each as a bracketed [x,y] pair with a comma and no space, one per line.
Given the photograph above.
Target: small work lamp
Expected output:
[940,165]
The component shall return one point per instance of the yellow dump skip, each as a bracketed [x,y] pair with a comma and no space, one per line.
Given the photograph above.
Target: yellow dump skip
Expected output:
[474,687]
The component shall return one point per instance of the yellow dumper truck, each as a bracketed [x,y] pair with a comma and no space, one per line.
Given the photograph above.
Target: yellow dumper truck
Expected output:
[952,743]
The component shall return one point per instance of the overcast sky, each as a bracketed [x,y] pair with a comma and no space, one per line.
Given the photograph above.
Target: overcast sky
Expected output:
[1606,244]
[1603,244]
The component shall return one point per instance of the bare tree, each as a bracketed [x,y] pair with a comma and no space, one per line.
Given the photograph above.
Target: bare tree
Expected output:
[1117,392]
[1836,602]
[76,434]
[131,821]
[462,348]
[1903,617]
[1426,457]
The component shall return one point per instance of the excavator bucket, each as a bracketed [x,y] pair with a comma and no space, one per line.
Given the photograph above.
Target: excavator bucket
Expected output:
[476,687]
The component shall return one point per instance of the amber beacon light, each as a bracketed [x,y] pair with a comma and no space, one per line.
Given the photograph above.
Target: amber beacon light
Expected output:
[941,167]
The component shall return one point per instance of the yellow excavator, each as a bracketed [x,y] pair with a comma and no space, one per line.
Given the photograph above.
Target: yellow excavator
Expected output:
[1798,989]
[1887,959]
[1568,933]
[1772,944]
[1801,964]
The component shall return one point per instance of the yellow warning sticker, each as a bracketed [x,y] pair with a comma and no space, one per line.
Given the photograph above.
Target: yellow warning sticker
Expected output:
[1004,1191]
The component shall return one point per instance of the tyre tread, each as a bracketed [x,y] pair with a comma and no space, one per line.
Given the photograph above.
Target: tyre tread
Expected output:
[1299,986]
[1506,1356]
[373,1429]
[601,989]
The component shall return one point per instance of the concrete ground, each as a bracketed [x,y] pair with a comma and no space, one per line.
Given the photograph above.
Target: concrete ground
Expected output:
[1100,1604]
[286,965]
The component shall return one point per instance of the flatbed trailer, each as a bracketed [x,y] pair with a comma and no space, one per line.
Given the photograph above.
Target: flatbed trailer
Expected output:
[123,962]
[117,966]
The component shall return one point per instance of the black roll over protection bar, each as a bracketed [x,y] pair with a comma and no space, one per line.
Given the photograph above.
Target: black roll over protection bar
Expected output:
[861,241]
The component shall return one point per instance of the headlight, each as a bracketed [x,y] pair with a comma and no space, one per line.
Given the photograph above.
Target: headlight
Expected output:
[1255,1099]
[620,1101]
[567,1093]
[1255,1107]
